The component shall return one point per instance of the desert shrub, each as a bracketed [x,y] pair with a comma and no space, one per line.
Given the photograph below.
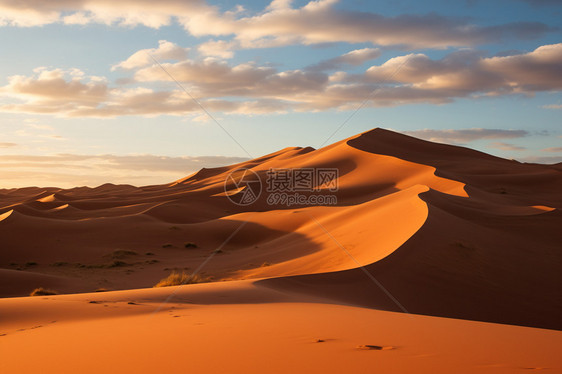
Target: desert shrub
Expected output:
[116,264]
[190,245]
[167,245]
[122,253]
[177,279]
[42,292]
[59,263]
[112,264]
[30,263]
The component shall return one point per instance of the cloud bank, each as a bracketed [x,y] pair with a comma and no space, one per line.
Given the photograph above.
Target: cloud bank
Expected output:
[249,88]
[69,170]
[280,23]
[461,136]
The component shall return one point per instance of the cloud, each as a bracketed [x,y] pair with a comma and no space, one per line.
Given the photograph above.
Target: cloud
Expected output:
[465,135]
[553,106]
[542,159]
[539,70]
[54,91]
[400,80]
[166,51]
[8,145]
[278,24]
[217,48]
[465,72]
[80,97]
[320,22]
[552,149]
[506,146]
[355,58]
[258,89]
[213,78]
[69,170]
[125,13]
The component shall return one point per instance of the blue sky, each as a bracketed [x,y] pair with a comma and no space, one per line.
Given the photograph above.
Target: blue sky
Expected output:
[83,103]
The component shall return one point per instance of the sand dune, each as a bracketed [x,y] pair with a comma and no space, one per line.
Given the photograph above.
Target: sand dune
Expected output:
[447,231]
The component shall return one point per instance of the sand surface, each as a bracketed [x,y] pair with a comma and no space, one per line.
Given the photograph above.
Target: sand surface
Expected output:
[238,327]
[445,233]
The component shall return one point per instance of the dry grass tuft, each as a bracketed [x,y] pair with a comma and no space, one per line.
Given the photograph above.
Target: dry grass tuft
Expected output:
[42,292]
[177,279]
[122,253]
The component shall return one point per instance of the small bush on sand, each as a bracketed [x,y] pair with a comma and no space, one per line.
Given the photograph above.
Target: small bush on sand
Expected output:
[116,264]
[59,263]
[122,253]
[42,292]
[177,279]
[190,245]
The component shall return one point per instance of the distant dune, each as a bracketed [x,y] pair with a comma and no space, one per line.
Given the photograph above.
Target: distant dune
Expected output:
[427,228]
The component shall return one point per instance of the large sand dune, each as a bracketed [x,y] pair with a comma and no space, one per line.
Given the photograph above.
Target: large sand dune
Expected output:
[429,228]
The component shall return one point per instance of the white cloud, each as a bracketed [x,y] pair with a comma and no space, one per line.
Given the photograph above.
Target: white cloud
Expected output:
[53,91]
[355,58]
[69,170]
[166,51]
[552,149]
[217,48]
[257,89]
[542,159]
[461,136]
[280,23]
[506,146]
[466,72]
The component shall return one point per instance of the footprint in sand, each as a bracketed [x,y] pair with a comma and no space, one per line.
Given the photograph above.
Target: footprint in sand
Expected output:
[535,368]
[369,347]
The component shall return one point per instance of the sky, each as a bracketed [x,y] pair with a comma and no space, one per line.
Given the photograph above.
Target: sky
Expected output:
[147,92]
